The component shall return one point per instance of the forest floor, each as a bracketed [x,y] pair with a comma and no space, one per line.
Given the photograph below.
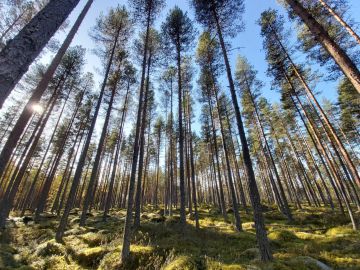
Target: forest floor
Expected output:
[318,239]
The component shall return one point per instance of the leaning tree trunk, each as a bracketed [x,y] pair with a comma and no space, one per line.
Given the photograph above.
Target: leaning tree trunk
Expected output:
[90,190]
[322,36]
[26,114]
[340,20]
[331,131]
[235,206]
[50,178]
[22,50]
[117,153]
[81,162]
[7,202]
[261,236]
[330,163]
[286,208]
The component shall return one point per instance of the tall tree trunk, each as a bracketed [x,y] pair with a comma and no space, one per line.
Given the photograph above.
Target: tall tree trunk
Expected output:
[50,178]
[36,177]
[117,153]
[322,36]
[155,194]
[22,50]
[311,96]
[216,154]
[192,163]
[340,20]
[235,161]
[93,177]
[59,205]
[72,194]
[142,146]
[41,87]
[331,165]
[8,200]
[235,206]
[254,192]
[127,227]
[181,139]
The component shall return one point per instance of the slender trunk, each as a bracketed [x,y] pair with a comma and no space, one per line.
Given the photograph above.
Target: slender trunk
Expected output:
[192,164]
[155,196]
[60,206]
[93,177]
[81,162]
[117,153]
[142,146]
[49,179]
[261,236]
[340,20]
[181,139]
[228,168]
[342,191]
[13,186]
[216,154]
[127,228]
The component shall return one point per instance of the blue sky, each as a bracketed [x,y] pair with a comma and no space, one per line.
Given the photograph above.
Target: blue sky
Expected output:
[250,40]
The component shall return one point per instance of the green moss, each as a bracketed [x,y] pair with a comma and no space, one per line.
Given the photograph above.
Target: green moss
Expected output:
[111,260]
[251,253]
[181,263]
[50,248]
[90,256]
[306,263]
[340,231]
[282,236]
[317,233]
[93,239]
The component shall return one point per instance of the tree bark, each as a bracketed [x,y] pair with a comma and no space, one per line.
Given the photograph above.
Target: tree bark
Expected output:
[22,50]
[39,90]
[254,192]
[322,36]
[127,228]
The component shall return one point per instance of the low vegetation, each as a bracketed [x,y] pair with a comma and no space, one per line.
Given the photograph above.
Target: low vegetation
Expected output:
[317,239]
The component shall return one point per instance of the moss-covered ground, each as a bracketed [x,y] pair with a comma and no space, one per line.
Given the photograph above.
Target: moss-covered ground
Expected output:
[318,239]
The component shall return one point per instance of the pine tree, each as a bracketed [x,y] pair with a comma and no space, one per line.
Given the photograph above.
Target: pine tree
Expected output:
[224,17]
[321,35]
[178,33]
[22,50]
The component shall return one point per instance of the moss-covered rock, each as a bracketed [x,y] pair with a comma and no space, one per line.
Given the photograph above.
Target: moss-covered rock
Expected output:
[92,239]
[282,236]
[50,248]
[181,263]
[90,256]
[306,263]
